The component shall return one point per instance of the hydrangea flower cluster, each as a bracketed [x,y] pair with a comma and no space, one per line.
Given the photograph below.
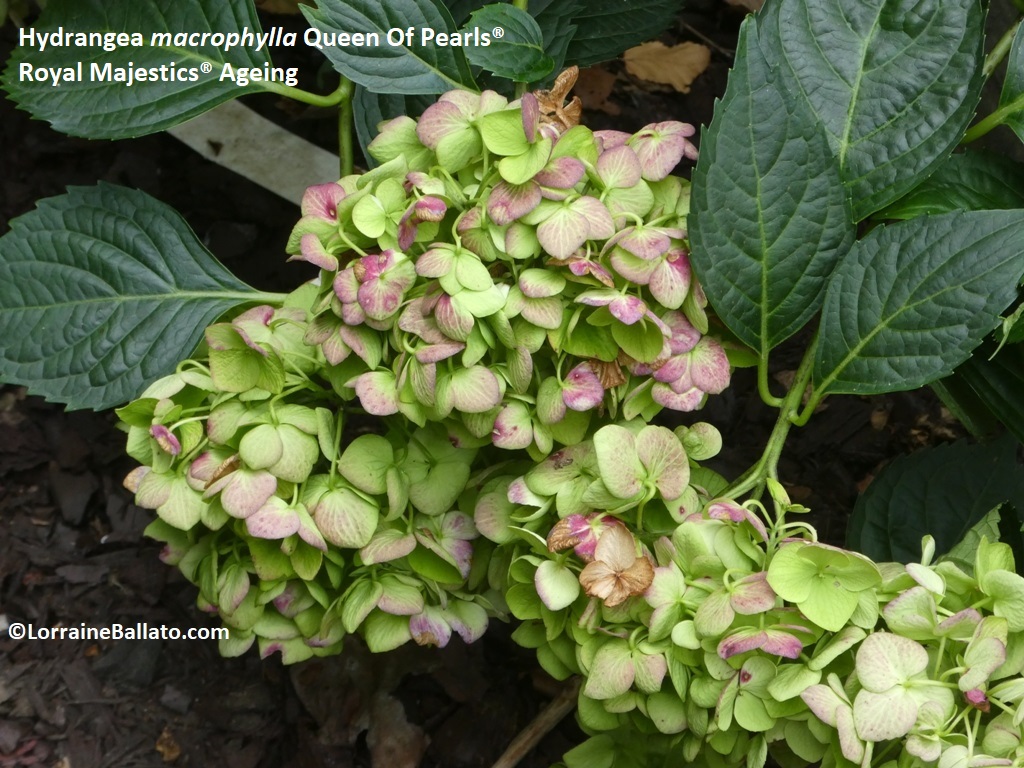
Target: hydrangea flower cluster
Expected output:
[705,634]
[511,273]
[292,538]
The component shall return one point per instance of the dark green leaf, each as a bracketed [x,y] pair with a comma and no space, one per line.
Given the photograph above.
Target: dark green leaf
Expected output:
[911,300]
[942,491]
[1013,86]
[998,383]
[519,53]
[895,82]
[103,290]
[769,216]
[605,28]
[371,109]
[113,110]
[423,66]
[973,181]
[555,18]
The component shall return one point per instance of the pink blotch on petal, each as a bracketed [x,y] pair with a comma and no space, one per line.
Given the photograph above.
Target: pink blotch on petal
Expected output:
[165,439]
[322,200]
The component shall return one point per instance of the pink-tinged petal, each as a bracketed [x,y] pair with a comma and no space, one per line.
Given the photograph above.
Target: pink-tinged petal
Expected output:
[346,286]
[628,309]
[352,314]
[741,641]
[387,545]
[561,173]
[374,266]
[752,595]
[727,509]
[377,392]
[309,533]
[661,146]
[582,389]
[245,491]
[165,439]
[467,101]
[457,525]
[475,389]
[462,554]
[531,116]
[599,221]
[430,208]
[782,644]
[380,299]
[468,619]
[513,429]
[321,200]
[633,268]
[645,242]
[439,120]
[313,251]
[416,319]
[437,262]
[977,699]
[544,313]
[408,226]
[360,341]
[608,140]
[508,202]
[684,335]
[151,489]
[619,167]
[684,401]
[563,232]
[709,366]
[519,493]
[670,283]
[435,353]
[430,628]
[274,520]
[540,283]
[675,368]
[453,321]
[597,298]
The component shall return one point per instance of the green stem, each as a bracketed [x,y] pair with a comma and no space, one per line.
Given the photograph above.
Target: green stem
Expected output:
[768,465]
[345,157]
[994,120]
[522,6]
[762,384]
[342,93]
[997,54]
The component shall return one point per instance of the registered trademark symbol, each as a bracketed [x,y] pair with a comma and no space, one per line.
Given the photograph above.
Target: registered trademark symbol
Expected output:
[207,67]
[498,32]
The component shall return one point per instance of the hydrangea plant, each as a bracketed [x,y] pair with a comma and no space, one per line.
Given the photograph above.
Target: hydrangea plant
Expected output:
[452,422]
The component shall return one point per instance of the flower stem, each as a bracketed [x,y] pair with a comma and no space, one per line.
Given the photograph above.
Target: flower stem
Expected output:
[994,120]
[998,53]
[768,465]
[345,157]
[342,93]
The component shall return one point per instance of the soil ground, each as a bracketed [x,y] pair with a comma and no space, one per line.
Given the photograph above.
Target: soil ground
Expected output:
[71,549]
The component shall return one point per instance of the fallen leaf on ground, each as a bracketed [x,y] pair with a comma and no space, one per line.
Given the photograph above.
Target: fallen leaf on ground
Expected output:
[167,746]
[594,87]
[677,65]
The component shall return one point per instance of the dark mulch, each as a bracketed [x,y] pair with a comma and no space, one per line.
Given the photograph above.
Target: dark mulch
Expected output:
[71,549]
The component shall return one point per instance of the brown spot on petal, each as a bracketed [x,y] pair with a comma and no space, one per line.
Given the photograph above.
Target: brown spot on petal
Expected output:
[609,374]
[553,109]
[561,536]
[226,467]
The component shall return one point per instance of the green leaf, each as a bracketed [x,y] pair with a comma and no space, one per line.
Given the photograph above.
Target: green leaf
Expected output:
[416,66]
[519,53]
[769,217]
[113,110]
[102,291]
[895,83]
[997,382]
[943,491]
[974,180]
[911,300]
[605,28]
[1013,86]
